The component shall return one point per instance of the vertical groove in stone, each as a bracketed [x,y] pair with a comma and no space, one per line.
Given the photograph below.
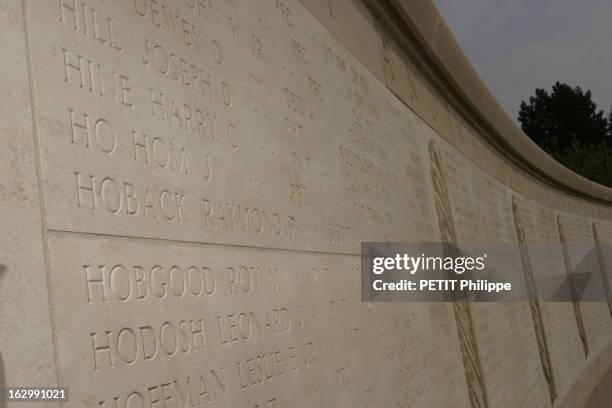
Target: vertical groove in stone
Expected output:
[602,268]
[534,303]
[41,195]
[461,308]
[572,286]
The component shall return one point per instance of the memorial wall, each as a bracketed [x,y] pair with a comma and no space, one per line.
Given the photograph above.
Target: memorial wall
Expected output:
[186,185]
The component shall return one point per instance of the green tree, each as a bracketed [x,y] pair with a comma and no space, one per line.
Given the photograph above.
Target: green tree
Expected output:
[567,124]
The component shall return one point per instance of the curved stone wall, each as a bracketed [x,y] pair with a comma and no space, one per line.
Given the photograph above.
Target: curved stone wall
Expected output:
[188,183]
[419,60]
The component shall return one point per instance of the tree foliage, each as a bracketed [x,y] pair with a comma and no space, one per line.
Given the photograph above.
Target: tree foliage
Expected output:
[567,124]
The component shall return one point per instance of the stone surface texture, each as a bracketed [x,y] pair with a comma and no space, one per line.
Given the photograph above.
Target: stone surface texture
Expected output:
[186,184]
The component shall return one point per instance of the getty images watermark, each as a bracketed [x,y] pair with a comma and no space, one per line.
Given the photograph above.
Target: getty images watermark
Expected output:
[435,272]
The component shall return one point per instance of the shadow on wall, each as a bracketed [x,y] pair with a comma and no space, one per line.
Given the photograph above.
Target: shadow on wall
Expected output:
[2,378]
[602,394]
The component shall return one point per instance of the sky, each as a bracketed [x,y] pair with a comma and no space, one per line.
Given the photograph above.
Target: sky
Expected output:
[520,45]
